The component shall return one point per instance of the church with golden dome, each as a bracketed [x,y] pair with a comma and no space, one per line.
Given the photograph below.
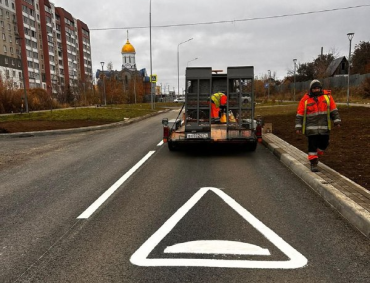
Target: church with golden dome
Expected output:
[136,83]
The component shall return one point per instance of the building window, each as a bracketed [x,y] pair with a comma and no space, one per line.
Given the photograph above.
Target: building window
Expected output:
[5,49]
[4,37]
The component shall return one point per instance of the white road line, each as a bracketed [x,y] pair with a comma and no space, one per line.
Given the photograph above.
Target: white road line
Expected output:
[92,208]
[160,143]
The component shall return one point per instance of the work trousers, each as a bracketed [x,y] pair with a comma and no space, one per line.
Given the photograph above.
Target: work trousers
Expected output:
[316,145]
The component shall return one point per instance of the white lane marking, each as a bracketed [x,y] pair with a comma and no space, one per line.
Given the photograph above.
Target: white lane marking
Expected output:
[93,207]
[217,247]
[140,257]
[160,143]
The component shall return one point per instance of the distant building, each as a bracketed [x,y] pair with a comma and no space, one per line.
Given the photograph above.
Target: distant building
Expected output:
[337,67]
[44,43]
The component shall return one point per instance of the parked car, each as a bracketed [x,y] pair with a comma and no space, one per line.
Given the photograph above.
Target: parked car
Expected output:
[179,100]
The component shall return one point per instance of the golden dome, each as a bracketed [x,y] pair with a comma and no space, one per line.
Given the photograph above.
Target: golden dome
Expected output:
[128,48]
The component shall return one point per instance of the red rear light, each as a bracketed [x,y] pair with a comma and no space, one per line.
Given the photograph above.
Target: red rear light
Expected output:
[166,133]
[259,132]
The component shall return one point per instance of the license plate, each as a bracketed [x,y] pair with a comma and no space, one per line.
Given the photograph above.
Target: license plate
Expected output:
[197,136]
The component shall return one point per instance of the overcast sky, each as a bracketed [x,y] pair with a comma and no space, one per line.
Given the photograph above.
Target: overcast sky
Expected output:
[266,44]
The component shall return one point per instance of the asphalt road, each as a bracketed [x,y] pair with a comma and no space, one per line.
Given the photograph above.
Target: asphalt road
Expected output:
[189,216]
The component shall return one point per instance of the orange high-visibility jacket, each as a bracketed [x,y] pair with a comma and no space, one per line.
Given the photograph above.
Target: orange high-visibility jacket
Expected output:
[313,117]
[218,99]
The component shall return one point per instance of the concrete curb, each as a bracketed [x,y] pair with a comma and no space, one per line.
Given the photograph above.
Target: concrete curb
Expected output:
[80,130]
[349,209]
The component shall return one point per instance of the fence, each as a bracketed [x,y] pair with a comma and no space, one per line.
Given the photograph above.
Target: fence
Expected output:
[328,83]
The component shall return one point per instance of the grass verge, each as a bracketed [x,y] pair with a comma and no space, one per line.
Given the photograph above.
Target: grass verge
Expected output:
[114,113]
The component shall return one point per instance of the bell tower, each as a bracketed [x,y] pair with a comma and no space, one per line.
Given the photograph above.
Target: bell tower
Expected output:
[128,56]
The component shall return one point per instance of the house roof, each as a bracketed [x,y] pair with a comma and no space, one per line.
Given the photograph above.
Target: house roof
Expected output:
[334,65]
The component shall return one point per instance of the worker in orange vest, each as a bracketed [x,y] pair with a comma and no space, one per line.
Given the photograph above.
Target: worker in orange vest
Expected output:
[218,100]
[314,114]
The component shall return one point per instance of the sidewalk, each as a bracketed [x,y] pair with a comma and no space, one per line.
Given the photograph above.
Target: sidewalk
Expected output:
[350,199]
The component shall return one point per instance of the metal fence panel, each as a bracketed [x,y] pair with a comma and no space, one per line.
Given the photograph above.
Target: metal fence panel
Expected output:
[328,83]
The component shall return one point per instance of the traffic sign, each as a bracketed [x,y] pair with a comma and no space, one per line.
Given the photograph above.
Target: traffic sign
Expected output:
[153,78]
[140,257]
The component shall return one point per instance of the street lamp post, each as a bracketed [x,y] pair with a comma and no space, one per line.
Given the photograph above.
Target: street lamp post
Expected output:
[187,65]
[350,36]
[83,84]
[135,85]
[73,91]
[294,62]
[178,64]
[268,85]
[53,81]
[23,77]
[24,85]
[151,65]
[105,98]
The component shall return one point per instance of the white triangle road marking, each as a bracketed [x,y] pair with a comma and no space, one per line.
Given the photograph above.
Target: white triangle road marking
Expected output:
[140,257]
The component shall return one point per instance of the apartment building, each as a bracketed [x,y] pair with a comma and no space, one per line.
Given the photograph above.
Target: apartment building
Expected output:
[44,43]
[10,63]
